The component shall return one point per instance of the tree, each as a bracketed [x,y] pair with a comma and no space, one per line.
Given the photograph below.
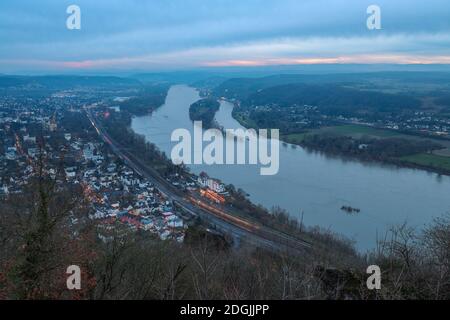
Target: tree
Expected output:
[43,242]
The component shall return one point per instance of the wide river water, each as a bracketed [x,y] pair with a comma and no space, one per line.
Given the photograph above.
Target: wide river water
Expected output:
[313,183]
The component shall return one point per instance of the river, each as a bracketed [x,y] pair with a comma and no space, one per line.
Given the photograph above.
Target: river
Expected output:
[313,183]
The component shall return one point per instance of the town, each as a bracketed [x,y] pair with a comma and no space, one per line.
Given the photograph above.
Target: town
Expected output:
[115,192]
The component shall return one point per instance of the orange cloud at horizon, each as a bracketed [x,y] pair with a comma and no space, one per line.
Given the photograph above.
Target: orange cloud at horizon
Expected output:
[359,59]
[355,59]
[145,62]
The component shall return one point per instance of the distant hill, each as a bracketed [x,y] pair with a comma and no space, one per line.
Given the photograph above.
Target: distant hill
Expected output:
[63,82]
[331,97]
[242,88]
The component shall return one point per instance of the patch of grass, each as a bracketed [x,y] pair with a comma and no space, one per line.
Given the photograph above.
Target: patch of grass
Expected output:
[294,138]
[355,131]
[358,131]
[430,160]
[442,152]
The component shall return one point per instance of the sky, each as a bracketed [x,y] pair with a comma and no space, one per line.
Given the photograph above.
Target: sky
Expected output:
[178,34]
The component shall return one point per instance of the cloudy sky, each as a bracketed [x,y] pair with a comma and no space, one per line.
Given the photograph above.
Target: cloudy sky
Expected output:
[178,34]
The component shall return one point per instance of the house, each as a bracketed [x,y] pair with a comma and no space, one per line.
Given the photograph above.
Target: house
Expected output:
[147,224]
[167,214]
[4,190]
[174,222]
[88,151]
[32,152]
[11,153]
[115,205]
[363,146]
[164,235]
[206,182]
[98,215]
[111,168]
[27,138]
[70,174]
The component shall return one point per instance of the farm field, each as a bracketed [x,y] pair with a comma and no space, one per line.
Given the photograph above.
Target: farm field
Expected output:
[430,160]
[359,131]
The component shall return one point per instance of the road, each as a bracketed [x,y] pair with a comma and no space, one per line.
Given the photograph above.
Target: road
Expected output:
[223,220]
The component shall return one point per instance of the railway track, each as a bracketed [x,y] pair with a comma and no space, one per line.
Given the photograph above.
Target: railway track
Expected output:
[222,219]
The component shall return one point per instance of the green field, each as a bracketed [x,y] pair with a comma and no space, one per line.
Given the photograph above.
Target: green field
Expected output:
[357,131]
[430,160]
[294,138]
[442,152]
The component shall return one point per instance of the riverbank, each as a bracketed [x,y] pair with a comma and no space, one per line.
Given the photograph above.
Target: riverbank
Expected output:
[385,150]
[311,182]
[236,202]
[427,160]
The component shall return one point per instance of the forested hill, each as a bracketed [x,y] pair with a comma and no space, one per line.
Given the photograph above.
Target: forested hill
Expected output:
[411,82]
[331,97]
[148,99]
[62,82]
